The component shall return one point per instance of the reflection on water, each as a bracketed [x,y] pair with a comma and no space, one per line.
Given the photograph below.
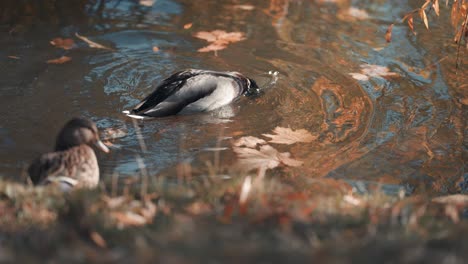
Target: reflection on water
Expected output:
[398,130]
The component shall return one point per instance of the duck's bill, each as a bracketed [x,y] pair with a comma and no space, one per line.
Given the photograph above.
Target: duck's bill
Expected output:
[101,146]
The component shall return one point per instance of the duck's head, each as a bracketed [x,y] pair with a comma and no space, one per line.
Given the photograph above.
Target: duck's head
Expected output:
[79,131]
[252,88]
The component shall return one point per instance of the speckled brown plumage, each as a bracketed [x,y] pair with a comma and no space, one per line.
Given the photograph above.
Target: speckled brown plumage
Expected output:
[74,162]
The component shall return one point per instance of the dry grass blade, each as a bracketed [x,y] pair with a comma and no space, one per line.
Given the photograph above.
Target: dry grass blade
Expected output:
[60,60]
[98,239]
[388,34]
[435,5]
[422,13]
[411,24]
[285,135]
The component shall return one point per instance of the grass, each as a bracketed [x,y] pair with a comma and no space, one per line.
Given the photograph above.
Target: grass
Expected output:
[278,222]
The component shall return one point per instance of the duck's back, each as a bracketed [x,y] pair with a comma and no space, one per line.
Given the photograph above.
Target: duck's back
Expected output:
[78,163]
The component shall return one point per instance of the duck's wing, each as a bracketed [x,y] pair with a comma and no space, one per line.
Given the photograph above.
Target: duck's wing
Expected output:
[174,93]
[47,165]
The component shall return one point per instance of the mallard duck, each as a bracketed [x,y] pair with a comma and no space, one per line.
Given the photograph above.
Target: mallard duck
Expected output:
[73,163]
[193,91]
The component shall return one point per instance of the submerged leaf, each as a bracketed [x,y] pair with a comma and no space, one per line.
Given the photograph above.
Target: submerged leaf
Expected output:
[288,136]
[60,60]
[219,38]
[65,44]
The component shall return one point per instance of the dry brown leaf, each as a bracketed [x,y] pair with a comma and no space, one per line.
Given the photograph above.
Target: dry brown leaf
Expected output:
[249,141]
[371,70]
[188,25]
[219,38]
[155,49]
[388,34]
[65,44]
[285,135]
[60,60]
[90,43]
[98,239]
[267,157]
[357,13]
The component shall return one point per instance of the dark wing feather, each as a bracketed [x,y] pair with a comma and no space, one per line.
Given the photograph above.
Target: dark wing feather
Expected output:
[46,165]
[166,100]
[168,87]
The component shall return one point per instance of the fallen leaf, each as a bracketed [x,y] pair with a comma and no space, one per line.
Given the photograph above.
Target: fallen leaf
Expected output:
[213,47]
[358,13]
[91,44]
[188,25]
[288,136]
[14,57]
[388,34]
[244,7]
[267,157]
[249,141]
[65,44]
[244,194]
[371,70]
[155,49]
[60,60]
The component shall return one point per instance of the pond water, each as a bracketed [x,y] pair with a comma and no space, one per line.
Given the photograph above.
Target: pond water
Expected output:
[404,129]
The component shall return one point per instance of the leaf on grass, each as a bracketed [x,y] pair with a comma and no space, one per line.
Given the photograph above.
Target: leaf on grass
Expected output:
[285,135]
[267,157]
[60,60]
[188,25]
[388,34]
[90,43]
[249,141]
[219,38]
[65,44]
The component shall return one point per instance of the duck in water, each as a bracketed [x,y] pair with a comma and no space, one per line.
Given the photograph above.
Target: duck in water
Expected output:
[194,91]
[73,163]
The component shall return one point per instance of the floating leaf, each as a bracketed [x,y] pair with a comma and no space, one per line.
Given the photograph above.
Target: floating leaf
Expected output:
[288,136]
[388,34]
[155,49]
[188,25]
[358,13]
[65,44]
[267,157]
[219,38]
[250,142]
[90,43]
[452,199]
[13,57]
[60,60]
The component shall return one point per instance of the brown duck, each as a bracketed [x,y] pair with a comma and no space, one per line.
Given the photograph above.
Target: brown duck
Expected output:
[73,163]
